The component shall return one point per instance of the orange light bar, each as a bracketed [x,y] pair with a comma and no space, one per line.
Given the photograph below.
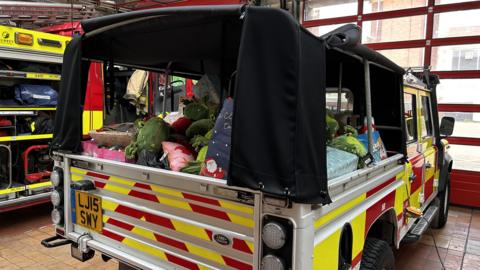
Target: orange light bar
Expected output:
[23,39]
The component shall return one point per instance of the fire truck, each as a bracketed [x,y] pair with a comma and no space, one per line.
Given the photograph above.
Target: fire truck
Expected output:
[32,61]
[30,66]
[279,206]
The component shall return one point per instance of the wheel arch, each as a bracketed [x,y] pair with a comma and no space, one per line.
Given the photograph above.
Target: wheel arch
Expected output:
[385,227]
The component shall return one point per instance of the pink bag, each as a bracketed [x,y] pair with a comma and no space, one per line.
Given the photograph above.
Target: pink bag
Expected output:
[88,147]
[116,155]
[177,154]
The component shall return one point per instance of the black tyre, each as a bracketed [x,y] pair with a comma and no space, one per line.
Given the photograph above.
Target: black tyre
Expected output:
[442,201]
[377,255]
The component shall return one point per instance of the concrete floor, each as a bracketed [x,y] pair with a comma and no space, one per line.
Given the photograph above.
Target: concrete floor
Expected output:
[21,232]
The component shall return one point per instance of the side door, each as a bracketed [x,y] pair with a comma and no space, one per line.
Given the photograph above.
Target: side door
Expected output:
[415,158]
[427,145]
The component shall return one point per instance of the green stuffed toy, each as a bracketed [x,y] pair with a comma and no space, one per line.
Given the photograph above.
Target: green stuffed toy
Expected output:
[349,144]
[347,129]
[332,127]
[198,141]
[196,111]
[149,137]
[199,127]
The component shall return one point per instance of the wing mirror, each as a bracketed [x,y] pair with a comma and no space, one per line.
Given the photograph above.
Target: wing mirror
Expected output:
[446,125]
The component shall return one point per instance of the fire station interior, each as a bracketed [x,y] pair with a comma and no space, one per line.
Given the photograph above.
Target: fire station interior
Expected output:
[438,41]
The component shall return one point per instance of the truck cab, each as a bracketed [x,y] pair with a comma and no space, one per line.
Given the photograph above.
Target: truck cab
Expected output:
[427,148]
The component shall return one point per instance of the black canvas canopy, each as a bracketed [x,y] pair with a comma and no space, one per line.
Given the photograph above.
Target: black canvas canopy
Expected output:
[278,137]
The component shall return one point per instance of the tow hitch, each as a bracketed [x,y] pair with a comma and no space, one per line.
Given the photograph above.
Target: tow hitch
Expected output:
[80,255]
[80,250]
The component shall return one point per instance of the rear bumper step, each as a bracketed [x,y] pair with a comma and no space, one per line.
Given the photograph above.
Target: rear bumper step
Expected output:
[421,226]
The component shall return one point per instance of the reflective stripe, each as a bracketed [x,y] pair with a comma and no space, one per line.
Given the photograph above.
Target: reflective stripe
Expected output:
[340,210]
[187,247]
[177,199]
[172,224]
[39,185]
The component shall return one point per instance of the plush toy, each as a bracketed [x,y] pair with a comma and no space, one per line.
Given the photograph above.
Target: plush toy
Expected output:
[193,167]
[199,127]
[332,127]
[196,111]
[347,129]
[210,168]
[199,141]
[178,155]
[202,153]
[149,137]
[178,122]
[201,113]
[181,125]
[349,144]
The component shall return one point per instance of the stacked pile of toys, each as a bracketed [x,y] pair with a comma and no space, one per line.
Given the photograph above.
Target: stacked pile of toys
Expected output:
[347,150]
[194,140]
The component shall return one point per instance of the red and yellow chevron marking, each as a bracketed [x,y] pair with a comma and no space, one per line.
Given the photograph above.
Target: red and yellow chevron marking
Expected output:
[153,251]
[183,246]
[175,225]
[184,204]
[360,225]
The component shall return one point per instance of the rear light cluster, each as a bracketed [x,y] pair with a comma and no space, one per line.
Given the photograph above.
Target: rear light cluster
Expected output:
[277,240]
[57,196]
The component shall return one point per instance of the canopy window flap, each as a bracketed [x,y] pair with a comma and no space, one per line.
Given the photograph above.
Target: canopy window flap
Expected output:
[67,132]
[278,140]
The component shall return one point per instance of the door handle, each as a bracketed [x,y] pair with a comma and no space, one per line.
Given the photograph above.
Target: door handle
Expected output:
[412,177]
[428,165]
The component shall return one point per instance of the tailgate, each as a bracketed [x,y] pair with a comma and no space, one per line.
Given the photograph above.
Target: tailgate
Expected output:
[169,219]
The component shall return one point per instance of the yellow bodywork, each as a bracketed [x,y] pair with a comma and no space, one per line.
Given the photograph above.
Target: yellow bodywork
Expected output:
[8,41]
[8,34]
[326,252]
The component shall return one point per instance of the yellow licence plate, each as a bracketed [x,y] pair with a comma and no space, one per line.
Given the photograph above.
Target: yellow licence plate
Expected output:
[88,210]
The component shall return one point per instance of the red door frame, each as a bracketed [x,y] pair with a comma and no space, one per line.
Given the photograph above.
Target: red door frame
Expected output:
[465,184]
